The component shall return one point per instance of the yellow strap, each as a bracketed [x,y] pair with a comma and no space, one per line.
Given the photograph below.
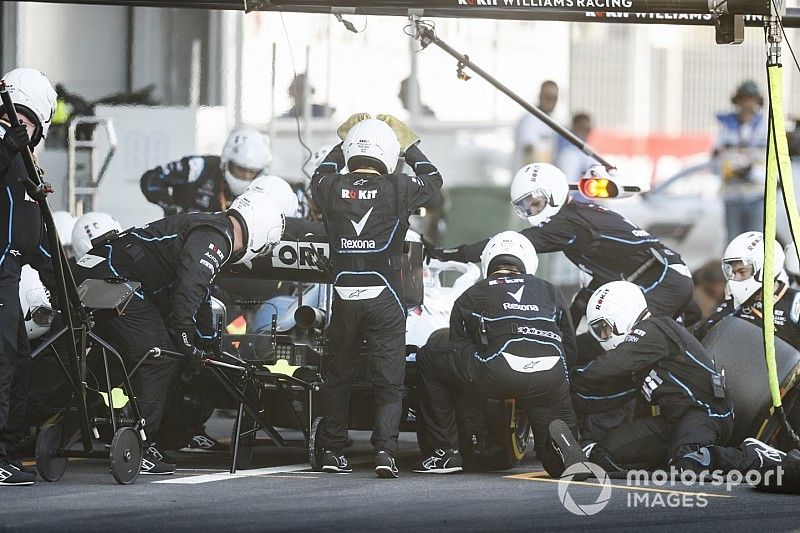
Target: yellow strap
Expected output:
[778,165]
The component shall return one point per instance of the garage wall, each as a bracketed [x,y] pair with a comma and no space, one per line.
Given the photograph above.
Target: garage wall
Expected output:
[87,49]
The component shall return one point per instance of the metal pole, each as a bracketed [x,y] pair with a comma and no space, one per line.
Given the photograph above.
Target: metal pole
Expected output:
[428,36]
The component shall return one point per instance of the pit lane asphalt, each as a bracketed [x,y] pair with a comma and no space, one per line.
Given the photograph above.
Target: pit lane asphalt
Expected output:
[88,499]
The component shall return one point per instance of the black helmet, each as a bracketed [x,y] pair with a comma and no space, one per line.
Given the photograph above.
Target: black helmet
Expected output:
[747,88]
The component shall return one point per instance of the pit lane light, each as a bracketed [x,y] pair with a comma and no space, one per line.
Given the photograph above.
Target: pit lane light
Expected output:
[599,183]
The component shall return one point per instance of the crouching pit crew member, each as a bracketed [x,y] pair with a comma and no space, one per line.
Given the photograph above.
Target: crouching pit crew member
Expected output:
[597,240]
[23,240]
[743,267]
[176,260]
[510,337]
[656,356]
[366,217]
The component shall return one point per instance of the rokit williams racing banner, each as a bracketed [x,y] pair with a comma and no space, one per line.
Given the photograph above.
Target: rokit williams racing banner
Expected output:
[753,7]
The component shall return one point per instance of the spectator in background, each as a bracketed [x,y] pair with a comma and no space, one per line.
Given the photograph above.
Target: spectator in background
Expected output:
[569,157]
[297,95]
[739,157]
[535,141]
[405,98]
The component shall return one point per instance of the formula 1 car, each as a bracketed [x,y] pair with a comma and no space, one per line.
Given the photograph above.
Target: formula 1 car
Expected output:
[276,353]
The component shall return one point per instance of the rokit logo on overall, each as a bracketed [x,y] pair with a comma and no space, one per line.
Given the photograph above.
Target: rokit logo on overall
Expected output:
[357,194]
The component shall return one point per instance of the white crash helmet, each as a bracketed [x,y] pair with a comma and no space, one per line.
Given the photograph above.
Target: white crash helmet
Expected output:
[262,221]
[279,190]
[538,191]
[613,310]
[749,249]
[35,302]
[512,246]
[316,159]
[33,96]
[90,226]
[371,142]
[247,148]
[64,224]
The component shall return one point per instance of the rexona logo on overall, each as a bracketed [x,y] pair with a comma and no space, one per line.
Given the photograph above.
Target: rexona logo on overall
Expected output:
[358,244]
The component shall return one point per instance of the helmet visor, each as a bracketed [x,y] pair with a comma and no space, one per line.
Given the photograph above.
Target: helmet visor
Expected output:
[42,316]
[532,204]
[243,173]
[738,269]
[602,329]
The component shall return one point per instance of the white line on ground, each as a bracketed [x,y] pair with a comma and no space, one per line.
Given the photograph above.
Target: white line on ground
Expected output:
[223,476]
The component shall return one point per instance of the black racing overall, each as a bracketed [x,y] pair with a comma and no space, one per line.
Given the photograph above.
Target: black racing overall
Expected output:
[366,218]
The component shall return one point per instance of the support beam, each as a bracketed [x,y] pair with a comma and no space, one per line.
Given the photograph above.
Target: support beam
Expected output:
[675,12]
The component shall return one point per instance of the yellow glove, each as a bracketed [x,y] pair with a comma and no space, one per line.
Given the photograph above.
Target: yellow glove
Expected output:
[405,135]
[348,124]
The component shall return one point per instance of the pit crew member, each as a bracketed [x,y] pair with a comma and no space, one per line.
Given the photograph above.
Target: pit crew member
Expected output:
[597,240]
[366,218]
[655,356]
[743,266]
[209,183]
[510,337]
[176,260]
[23,240]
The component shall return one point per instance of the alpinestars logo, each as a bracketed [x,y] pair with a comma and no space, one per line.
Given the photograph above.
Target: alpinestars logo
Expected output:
[702,456]
[430,462]
[517,295]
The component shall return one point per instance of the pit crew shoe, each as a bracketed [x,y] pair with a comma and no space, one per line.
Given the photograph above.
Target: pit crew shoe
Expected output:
[11,475]
[385,465]
[566,444]
[154,463]
[160,454]
[440,462]
[335,463]
[17,463]
[202,443]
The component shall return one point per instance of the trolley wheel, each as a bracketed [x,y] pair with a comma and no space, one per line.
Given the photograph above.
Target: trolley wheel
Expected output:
[125,455]
[246,444]
[314,445]
[50,467]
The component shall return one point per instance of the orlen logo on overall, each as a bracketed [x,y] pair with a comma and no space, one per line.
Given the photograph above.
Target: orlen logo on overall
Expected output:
[350,194]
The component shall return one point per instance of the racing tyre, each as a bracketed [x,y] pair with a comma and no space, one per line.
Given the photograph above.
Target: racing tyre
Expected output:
[50,467]
[125,455]
[314,445]
[510,430]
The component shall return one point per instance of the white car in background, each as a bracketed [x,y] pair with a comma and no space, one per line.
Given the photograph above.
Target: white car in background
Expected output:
[687,214]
